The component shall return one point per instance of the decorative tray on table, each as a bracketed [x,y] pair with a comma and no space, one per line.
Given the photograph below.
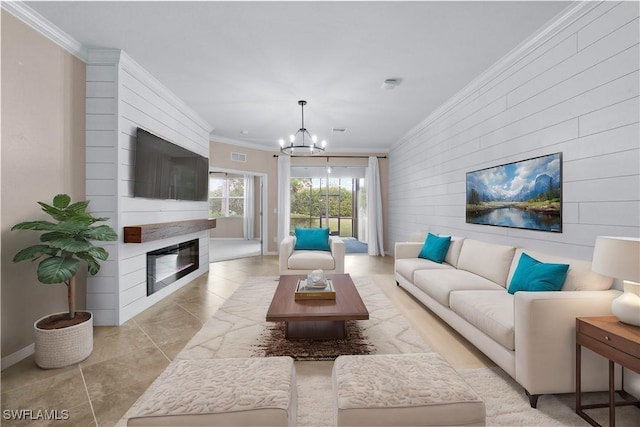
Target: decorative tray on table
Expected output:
[306,291]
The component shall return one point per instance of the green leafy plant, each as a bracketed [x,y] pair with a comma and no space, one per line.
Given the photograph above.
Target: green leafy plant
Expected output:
[66,243]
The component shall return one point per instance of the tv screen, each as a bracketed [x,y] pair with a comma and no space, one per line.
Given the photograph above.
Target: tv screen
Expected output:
[164,170]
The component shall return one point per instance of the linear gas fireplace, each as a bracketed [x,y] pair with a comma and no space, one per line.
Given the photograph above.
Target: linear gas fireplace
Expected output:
[166,265]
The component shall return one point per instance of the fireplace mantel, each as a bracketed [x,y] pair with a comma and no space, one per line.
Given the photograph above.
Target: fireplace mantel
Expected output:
[149,232]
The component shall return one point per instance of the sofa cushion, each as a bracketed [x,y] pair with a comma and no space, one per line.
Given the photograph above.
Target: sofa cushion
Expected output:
[301,260]
[438,284]
[435,248]
[579,277]
[488,260]
[312,239]
[408,266]
[534,276]
[454,251]
[490,311]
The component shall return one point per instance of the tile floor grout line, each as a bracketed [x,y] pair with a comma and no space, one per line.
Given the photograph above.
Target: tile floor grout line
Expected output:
[189,312]
[151,339]
[86,389]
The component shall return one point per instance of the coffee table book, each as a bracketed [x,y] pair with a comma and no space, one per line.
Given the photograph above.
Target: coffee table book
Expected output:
[305,292]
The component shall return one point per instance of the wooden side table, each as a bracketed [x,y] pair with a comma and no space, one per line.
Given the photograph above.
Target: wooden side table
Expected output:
[616,341]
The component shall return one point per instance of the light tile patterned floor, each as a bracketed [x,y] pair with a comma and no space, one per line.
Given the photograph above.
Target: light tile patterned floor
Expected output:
[126,359]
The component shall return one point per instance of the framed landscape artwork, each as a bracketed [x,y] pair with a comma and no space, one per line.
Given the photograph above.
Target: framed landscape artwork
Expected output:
[525,194]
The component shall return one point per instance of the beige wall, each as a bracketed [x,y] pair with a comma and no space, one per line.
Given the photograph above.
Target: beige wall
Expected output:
[228,228]
[43,122]
[264,162]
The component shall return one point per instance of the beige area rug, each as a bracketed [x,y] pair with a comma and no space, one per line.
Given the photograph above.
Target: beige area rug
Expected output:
[505,401]
[237,326]
[239,329]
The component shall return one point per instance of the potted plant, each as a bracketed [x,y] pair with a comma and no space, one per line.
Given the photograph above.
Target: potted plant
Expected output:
[62,339]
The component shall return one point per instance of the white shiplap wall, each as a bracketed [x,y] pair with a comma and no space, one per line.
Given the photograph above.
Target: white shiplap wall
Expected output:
[571,88]
[120,97]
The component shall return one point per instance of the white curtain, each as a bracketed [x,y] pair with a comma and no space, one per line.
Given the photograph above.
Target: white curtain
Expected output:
[374,204]
[249,214]
[284,197]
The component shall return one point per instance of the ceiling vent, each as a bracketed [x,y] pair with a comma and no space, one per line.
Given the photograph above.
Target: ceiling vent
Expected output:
[341,130]
[238,157]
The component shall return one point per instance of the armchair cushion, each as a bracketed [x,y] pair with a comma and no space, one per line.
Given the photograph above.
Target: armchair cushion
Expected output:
[312,239]
[293,261]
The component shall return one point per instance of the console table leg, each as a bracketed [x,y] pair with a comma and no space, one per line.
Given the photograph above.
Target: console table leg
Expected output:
[612,395]
[578,379]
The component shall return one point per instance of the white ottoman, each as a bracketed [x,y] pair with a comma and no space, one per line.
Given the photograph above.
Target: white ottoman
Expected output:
[220,392]
[403,390]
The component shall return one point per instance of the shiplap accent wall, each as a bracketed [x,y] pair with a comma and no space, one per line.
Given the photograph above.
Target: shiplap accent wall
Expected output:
[571,88]
[120,97]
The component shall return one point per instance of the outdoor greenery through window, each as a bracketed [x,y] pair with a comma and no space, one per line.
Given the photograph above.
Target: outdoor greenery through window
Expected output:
[310,201]
[226,197]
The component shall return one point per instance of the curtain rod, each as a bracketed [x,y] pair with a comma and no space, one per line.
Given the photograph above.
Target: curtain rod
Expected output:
[336,157]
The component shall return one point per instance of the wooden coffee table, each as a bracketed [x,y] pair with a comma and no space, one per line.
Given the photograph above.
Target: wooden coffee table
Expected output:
[316,319]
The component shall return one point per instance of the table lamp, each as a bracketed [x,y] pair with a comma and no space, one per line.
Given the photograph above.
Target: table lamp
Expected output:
[619,257]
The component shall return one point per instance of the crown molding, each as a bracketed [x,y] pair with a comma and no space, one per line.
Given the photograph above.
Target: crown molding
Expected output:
[46,28]
[548,31]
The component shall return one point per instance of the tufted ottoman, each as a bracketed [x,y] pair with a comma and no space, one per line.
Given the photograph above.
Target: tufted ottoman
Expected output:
[403,390]
[217,392]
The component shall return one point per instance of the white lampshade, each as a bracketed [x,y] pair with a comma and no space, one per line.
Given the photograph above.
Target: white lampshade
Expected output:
[619,257]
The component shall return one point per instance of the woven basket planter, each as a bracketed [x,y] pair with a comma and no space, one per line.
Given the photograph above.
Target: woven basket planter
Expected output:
[56,348]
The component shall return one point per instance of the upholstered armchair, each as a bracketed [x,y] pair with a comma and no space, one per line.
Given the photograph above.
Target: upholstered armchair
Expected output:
[304,260]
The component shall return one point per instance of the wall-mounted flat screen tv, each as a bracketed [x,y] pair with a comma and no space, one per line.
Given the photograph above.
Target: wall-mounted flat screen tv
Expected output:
[164,170]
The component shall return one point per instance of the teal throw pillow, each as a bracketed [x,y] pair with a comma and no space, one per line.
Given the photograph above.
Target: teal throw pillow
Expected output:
[535,276]
[312,239]
[435,248]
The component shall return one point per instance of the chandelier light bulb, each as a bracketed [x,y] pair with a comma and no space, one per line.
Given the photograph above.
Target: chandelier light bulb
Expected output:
[281,142]
[324,144]
[292,138]
[314,138]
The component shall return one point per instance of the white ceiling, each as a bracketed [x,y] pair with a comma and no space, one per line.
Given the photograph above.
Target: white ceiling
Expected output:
[244,65]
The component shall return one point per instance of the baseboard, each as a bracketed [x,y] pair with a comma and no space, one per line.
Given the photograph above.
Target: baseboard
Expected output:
[16,357]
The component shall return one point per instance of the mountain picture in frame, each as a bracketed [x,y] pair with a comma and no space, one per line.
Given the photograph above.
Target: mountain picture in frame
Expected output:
[525,194]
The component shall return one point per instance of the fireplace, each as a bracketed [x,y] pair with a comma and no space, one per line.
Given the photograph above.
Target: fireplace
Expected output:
[166,265]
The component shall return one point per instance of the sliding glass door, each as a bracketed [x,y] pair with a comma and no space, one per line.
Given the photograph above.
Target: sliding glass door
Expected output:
[326,201]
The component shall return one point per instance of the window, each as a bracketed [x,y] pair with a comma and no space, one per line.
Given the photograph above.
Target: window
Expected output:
[325,201]
[226,196]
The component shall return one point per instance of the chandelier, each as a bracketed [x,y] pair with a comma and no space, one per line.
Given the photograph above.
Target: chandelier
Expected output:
[302,143]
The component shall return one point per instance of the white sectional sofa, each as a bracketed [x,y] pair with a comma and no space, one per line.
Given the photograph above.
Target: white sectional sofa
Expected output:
[530,335]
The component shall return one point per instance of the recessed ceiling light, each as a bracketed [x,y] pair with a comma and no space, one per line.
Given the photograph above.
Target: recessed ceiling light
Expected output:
[389,84]
[244,132]
[338,130]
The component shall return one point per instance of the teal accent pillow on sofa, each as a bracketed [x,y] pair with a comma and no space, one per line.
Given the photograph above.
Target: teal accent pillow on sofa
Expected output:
[312,239]
[435,248]
[535,276]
